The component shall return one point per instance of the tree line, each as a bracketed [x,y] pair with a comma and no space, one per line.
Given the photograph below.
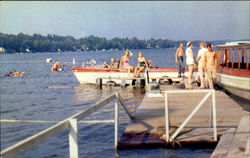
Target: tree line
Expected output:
[55,43]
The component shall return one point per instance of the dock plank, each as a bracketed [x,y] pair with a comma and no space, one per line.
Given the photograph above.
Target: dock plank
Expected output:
[223,146]
[239,142]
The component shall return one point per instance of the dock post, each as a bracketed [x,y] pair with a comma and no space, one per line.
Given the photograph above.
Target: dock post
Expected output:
[123,83]
[138,81]
[116,122]
[166,117]
[99,82]
[73,138]
[214,115]
[147,77]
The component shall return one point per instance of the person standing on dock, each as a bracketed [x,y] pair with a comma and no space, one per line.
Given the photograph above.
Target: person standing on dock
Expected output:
[210,60]
[201,65]
[190,62]
[179,59]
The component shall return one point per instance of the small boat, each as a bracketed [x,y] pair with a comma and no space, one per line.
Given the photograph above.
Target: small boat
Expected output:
[90,75]
[233,72]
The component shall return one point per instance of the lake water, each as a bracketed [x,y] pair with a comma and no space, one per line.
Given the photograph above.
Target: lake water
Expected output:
[29,98]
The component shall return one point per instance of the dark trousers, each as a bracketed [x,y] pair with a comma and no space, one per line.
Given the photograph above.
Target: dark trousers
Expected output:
[181,65]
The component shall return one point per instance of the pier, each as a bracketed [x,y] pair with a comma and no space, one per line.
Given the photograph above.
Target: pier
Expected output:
[136,82]
[192,118]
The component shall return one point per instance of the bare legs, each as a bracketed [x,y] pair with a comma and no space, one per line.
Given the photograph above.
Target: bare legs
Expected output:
[201,74]
[138,70]
[190,74]
[129,68]
[211,77]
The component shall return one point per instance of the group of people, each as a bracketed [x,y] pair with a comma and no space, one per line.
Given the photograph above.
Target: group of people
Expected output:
[124,63]
[206,61]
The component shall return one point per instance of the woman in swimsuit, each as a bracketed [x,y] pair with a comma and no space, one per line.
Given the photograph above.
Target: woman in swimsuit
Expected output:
[142,64]
[124,62]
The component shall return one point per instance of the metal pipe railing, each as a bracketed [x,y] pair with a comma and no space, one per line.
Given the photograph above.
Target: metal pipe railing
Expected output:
[70,123]
[210,92]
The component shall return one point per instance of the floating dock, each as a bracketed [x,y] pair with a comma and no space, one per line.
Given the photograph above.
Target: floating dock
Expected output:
[148,127]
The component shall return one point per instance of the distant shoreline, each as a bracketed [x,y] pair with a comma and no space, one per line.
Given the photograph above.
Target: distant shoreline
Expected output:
[37,43]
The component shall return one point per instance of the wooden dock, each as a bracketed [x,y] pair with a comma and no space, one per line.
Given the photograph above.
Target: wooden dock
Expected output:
[235,142]
[136,81]
[148,128]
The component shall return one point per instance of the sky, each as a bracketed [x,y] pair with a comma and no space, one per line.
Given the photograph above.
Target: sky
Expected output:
[183,20]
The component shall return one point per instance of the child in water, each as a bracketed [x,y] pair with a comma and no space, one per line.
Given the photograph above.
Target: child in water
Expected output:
[56,66]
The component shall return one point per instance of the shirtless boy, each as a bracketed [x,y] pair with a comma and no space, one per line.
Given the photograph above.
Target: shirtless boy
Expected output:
[210,60]
[179,59]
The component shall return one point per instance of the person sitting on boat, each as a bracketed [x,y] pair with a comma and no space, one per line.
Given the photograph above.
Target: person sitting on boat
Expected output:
[56,66]
[106,65]
[142,64]
[118,63]
[201,65]
[89,64]
[93,63]
[113,63]
[83,64]
[210,60]
[125,61]
[150,64]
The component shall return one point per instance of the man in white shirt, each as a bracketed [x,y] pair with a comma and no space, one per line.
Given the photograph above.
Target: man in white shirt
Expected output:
[201,65]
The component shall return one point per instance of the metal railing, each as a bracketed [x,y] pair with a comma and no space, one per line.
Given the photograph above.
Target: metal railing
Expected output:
[70,123]
[210,92]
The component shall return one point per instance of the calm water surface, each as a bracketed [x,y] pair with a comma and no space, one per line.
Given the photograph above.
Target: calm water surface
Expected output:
[29,98]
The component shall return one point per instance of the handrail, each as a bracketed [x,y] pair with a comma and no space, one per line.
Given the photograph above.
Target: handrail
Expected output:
[210,92]
[241,61]
[71,124]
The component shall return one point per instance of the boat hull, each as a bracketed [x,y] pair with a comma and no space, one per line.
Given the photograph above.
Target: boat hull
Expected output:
[237,85]
[90,75]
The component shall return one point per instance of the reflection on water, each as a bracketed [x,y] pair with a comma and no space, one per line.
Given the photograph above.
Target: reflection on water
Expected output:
[89,93]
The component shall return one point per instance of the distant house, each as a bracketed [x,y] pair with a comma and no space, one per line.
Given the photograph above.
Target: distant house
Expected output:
[2,50]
